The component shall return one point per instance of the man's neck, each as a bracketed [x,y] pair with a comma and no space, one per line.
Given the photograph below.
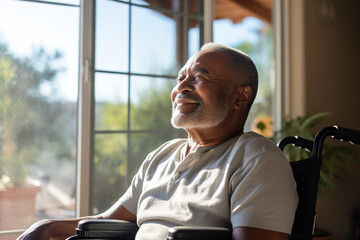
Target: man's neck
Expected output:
[232,126]
[197,139]
[192,146]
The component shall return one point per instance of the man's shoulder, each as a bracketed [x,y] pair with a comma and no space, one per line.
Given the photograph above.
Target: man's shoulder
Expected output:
[257,140]
[253,145]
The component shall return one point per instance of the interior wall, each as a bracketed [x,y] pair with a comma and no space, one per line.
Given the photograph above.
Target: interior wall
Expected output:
[332,84]
[332,50]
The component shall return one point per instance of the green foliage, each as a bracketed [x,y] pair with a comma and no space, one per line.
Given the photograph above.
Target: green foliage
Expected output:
[154,108]
[334,158]
[111,116]
[302,127]
[30,122]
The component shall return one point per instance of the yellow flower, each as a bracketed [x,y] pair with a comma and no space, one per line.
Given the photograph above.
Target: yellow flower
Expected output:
[263,125]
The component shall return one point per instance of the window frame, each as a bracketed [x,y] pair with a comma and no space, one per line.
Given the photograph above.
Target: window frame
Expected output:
[85,108]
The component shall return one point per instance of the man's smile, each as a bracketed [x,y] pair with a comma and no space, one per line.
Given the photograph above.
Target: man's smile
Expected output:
[185,103]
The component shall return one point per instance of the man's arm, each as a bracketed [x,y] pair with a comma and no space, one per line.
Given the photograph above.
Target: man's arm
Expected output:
[118,211]
[249,233]
[61,229]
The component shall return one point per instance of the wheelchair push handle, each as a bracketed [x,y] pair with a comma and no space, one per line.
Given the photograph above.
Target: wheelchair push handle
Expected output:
[344,134]
[296,141]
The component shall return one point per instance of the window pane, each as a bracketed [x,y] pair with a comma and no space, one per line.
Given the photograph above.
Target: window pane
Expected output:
[186,6]
[112,36]
[150,102]
[173,5]
[110,170]
[38,94]
[153,47]
[111,100]
[193,37]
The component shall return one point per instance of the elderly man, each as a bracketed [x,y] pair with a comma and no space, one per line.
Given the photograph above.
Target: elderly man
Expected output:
[218,176]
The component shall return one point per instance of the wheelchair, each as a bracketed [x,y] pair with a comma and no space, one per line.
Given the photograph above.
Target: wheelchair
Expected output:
[306,173]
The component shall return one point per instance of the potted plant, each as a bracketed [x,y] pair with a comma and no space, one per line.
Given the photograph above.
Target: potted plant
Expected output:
[17,194]
[333,157]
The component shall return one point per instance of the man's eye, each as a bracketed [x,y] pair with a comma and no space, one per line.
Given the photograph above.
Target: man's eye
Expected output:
[180,78]
[200,77]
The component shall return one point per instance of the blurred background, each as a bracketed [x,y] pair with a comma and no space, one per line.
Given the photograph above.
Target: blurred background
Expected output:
[85,92]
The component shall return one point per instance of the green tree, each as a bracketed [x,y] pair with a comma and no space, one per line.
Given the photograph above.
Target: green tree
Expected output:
[29,120]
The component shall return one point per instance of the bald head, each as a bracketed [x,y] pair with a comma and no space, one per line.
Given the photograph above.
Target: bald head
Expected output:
[244,69]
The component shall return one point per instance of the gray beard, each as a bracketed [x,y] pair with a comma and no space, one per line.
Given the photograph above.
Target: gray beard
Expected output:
[201,118]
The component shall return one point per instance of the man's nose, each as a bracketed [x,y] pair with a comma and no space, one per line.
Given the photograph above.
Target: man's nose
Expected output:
[185,85]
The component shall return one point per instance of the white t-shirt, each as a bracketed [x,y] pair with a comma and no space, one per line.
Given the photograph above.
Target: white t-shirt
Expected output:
[244,181]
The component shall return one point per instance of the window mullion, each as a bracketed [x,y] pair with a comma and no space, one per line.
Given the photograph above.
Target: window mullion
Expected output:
[208,20]
[84,141]
[281,37]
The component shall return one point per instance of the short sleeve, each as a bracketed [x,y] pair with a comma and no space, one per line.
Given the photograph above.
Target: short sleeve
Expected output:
[131,197]
[263,194]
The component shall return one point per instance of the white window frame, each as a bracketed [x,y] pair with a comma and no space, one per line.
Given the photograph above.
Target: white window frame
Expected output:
[86,64]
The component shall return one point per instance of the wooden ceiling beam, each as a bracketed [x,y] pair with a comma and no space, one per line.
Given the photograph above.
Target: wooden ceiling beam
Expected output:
[259,8]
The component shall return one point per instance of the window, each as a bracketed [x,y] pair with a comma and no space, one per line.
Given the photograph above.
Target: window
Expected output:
[39,48]
[137,56]
[133,79]
[130,54]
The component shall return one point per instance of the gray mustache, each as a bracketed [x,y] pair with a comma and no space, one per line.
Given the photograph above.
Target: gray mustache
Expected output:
[185,96]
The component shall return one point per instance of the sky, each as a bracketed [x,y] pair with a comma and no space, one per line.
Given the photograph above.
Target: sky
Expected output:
[25,26]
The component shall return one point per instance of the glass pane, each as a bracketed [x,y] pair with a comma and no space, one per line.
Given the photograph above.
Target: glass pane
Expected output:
[150,102]
[111,99]
[193,37]
[38,100]
[255,38]
[153,46]
[173,5]
[110,170]
[112,36]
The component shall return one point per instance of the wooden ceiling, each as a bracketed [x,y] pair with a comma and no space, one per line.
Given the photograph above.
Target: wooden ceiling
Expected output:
[237,10]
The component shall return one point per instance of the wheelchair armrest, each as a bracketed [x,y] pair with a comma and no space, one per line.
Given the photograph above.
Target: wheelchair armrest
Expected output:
[199,233]
[118,229]
[105,229]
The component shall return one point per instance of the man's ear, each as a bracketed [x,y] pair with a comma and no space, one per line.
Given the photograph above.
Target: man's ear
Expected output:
[243,97]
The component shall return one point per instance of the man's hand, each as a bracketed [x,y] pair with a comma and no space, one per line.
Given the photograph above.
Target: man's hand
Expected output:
[61,229]
[39,230]
[51,229]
